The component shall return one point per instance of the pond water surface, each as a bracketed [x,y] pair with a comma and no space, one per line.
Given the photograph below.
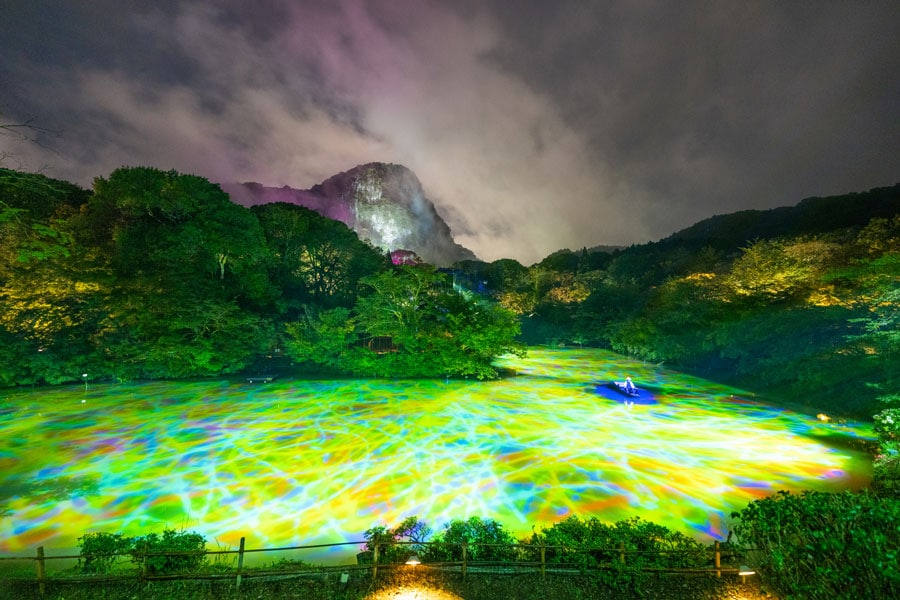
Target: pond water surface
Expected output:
[296,462]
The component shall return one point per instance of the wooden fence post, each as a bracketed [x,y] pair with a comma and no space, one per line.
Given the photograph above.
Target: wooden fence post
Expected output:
[717,559]
[375,562]
[240,565]
[465,547]
[41,571]
[145,568]
[622,552]
[543,561]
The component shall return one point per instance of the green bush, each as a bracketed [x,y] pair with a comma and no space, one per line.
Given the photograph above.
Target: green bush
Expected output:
[818,545]
[886,470]
[171,552]
[485,540]
[590,543]
[395,545]
[288,564]
[585,543]
[100,551]
[886,476]
[598,548]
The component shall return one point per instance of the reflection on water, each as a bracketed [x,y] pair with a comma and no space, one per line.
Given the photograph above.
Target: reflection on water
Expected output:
[302,462]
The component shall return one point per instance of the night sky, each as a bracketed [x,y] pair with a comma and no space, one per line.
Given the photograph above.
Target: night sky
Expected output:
[533,125]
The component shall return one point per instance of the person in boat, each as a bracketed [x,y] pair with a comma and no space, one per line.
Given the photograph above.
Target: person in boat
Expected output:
[629,386]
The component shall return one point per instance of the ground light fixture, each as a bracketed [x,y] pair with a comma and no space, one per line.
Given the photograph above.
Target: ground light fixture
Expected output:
[744,572]
[412,592]
[413,561]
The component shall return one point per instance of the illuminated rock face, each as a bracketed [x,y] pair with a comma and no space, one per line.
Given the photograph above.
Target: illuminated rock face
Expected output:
[382,203]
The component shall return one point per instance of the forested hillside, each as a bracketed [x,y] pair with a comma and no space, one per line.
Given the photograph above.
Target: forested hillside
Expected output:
[799,303]
[155,274]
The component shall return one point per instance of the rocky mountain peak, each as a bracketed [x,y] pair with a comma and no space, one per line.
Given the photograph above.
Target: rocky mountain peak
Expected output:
[383,203]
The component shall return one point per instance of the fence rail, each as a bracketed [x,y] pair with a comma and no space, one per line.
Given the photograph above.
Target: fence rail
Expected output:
[556,564]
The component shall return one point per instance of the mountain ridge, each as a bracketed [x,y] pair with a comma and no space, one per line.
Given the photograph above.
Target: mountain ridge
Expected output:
[813,215]
[383,203]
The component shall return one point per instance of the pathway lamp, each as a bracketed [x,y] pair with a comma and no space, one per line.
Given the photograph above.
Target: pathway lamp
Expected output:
[744,572]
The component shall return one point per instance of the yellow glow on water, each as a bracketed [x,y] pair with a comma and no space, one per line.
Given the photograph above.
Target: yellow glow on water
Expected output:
[304,462]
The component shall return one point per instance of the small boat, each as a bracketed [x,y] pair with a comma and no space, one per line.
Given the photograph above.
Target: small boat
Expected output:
[620,386]
[616,391]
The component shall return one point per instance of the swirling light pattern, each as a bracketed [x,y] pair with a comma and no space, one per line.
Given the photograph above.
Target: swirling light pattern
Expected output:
[301,462]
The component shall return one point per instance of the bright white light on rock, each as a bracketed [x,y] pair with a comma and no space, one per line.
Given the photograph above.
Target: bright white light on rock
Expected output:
[387,229]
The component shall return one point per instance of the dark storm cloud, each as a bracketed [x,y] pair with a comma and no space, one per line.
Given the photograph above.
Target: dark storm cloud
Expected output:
[720,106]
[532,125]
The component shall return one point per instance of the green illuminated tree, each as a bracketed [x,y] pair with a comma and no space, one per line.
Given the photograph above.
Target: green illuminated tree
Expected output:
[180,229]
[188,276]
[773,271]
[313,259]
[412,323]
[485,539]
[50,298]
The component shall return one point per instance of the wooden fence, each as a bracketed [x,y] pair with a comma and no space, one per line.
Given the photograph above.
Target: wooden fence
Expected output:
[532,559]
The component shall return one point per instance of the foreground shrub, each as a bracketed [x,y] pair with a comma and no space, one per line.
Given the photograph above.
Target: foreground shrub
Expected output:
[817,545]
[590,543]
[171,552]
[886,476]
[600,548]
[395,544]
[886,470]
[153,551]
[485,540]
[100,552]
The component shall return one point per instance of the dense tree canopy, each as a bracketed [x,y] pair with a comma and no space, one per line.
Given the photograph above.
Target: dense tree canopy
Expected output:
[411,322]
[803,307]
[313,259]
[158,274]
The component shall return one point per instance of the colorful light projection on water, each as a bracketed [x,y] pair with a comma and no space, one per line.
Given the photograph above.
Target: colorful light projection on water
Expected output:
[303,462]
